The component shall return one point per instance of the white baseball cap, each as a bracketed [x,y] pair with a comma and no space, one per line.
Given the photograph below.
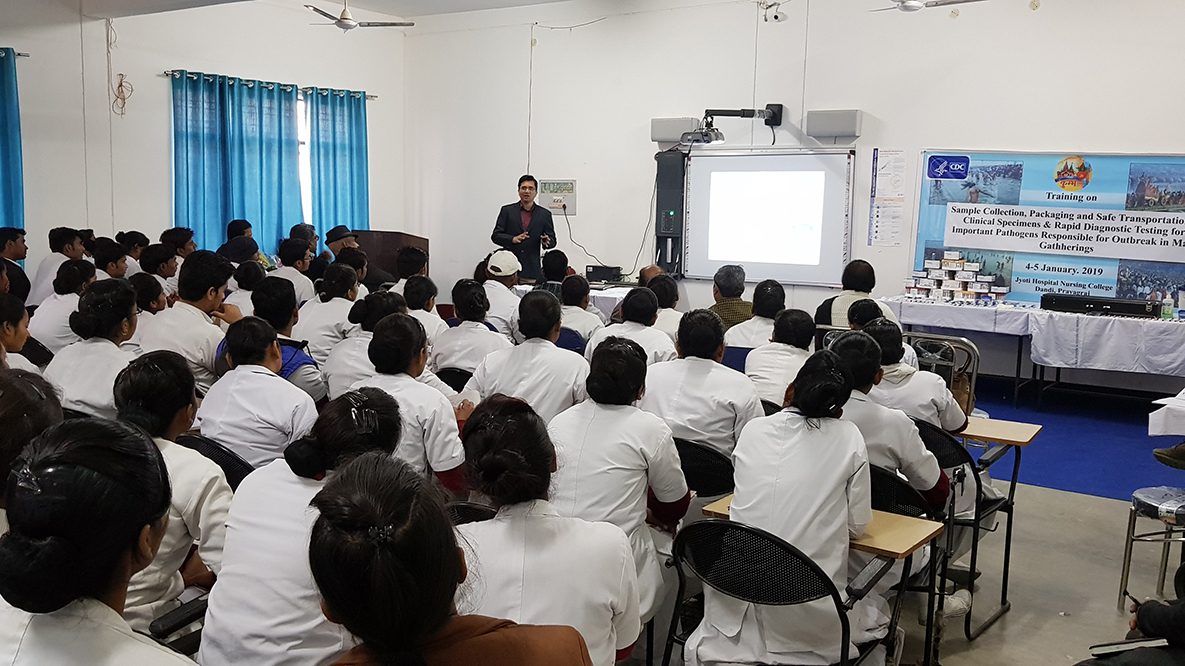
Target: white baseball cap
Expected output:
[503,263]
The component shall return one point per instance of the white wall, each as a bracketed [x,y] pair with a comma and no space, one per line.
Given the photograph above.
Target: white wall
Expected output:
[119,177]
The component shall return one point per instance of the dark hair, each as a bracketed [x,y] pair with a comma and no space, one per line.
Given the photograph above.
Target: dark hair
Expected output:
[822,386]
[470,302]
[292,251]
[538,314]
[410,261]
[103,306]
[108,252]
[239,249]
[701,332]
[29,405]
[236,228]
[377,305]
[640,305]
[383,553]
[555,266]
[178,237]
[354,257]
[769,298]
[304,232]
[148,290]
[618,371]
[87,236]
[418,291]
[60,237]
[337,282]
[480,271]
[274,301]
[12,310]
[888,335]
[524,178]
[398,338]
[573,289]
[860,355]
[665,290]
[248,339]
[863,311]
[155,256]
[730,280]
[202,271]
[249,274]
[348,426]
[508,455]
[858,276]
[131,240]
[77,501]
[794,327]
[152,389]
[72,276]
[10,235]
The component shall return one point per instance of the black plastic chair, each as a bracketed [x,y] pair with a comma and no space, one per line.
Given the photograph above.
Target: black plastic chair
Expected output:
[461,512]
[37,353]
[234,467]
[177,619]
[708,471]
[456,378]
[75,414]
[770,408]
[752,565]
[893,494]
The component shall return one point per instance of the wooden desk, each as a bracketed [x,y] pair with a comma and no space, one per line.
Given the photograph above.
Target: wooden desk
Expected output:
[888,535]
[995,431]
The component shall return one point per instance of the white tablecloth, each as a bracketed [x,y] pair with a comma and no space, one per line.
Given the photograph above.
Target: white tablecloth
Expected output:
[605,300]
[1170,419]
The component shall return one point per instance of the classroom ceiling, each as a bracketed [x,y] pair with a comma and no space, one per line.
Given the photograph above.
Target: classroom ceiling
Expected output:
[411,8]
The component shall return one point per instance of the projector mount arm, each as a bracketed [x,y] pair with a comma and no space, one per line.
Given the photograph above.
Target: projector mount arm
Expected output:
[771,114]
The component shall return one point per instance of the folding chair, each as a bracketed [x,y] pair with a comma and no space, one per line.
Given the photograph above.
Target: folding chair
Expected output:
[456,378]
[234,467]
[770,408]
[177,619]
[469,512]
[708,471]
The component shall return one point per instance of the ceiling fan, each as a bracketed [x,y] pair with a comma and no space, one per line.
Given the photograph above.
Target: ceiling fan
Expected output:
[346,21]
[918,5]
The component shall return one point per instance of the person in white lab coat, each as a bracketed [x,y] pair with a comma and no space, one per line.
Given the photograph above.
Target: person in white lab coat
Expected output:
[30,405]
[50,324]
[160,261]
[188,327]
[150,297]
[667,293]
[865,310]
[502,275]
[247,276]
[574,314]
[65,244]
[323,320]
[769,298]
[698,397]
[465,345]
[251,410]
[420,294]
[111,259]
[87,509]
[14,333]
[619,464]
[430,441]
[157,393]
[640,310]
[85,371]
[265,609]
[548,378]
[801,474]
[294,262]
[920,394]
[134,243]
[274,301]
[773,365]
[523,559]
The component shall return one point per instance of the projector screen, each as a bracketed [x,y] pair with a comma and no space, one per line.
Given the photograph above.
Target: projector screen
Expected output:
[783,216]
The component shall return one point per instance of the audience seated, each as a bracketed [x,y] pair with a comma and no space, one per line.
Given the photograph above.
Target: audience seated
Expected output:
[181,240]
[323,320]
[502,275]
[667,292]
[14,333]
[50,324]
[420,294]
[728,285]
[865,310]
[858,281]
[355,258]
[111,259]
[645,275]
[574,314]
[294,262]
[409,261]
[920,394]
[64,244]
[247,276]
[13,249]
[769,298]
[133,243]
[467,344]
[30,405]
[160,261]
[274,301]
[774,365]
[555,270]
[640,310]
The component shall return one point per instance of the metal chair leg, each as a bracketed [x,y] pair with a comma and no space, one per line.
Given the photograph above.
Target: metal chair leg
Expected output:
[650,643]
[1164,560]
[1129,540]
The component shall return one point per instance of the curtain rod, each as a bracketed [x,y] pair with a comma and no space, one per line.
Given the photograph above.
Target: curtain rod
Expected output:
[170,73]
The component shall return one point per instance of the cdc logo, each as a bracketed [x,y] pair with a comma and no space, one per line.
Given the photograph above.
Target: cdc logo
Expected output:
[948,167]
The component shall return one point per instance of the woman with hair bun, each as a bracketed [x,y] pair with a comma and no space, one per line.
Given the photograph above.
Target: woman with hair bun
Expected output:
[801,474]
[523,557]
[86,506]
[30,405]
[618,464]
[134,242]
[323,320]
[465,345]
[386,562]
[50,324]
[85,371]
[264,609]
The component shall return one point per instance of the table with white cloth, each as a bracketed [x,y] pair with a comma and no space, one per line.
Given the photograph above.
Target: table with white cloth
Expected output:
[606,300]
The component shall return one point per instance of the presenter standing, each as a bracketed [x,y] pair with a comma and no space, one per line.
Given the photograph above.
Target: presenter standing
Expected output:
[525,229]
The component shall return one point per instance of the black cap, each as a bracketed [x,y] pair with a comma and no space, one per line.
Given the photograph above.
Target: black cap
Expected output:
[337,233]
[239,249]
[236,228]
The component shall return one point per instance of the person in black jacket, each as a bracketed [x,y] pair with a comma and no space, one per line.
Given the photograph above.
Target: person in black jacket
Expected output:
[524,228]
[1154,619]
[14,249]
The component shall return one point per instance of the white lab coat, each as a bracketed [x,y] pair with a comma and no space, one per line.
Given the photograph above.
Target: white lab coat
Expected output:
[657,345]
[550,379]
[300,282]
[323,325]
[50,324]
[701,400]
[750,334]
[241,299]
[580,320]
[349,363]
[920,394]
[85,374]
[168,285]
[503,307]
[607,457]
[42,286]
[531,565]
[133,267]
[433,324]
[190,332]
[806,481]
[773,367]
[668,322]
[255,413]
[465,346]
[197,514]
[16,361]
[265,608]
[429,440]
[85,631]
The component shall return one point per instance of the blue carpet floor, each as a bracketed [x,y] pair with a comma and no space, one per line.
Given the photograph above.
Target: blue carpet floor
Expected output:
[1092,445]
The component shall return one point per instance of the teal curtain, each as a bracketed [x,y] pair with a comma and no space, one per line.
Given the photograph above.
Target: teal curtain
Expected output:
[12,190]
[235,155]
[338,158]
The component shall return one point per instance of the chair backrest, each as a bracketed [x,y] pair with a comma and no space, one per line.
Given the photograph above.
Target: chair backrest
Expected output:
[708,471]
[770,407]
[456,378]
[37,353]
[734,357]
[571,340]
[950,452]
[469,512]
[75,414]
[893,494]
[234,467]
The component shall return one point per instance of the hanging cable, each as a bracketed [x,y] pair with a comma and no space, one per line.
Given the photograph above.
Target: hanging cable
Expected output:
[119,88]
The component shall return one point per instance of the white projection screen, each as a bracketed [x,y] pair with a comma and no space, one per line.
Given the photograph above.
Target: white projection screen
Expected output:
[782,215]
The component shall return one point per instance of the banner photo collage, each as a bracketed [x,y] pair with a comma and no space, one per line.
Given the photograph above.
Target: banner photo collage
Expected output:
[1098,225]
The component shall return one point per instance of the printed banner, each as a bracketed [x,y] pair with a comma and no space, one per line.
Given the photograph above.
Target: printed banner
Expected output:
[1093,225]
